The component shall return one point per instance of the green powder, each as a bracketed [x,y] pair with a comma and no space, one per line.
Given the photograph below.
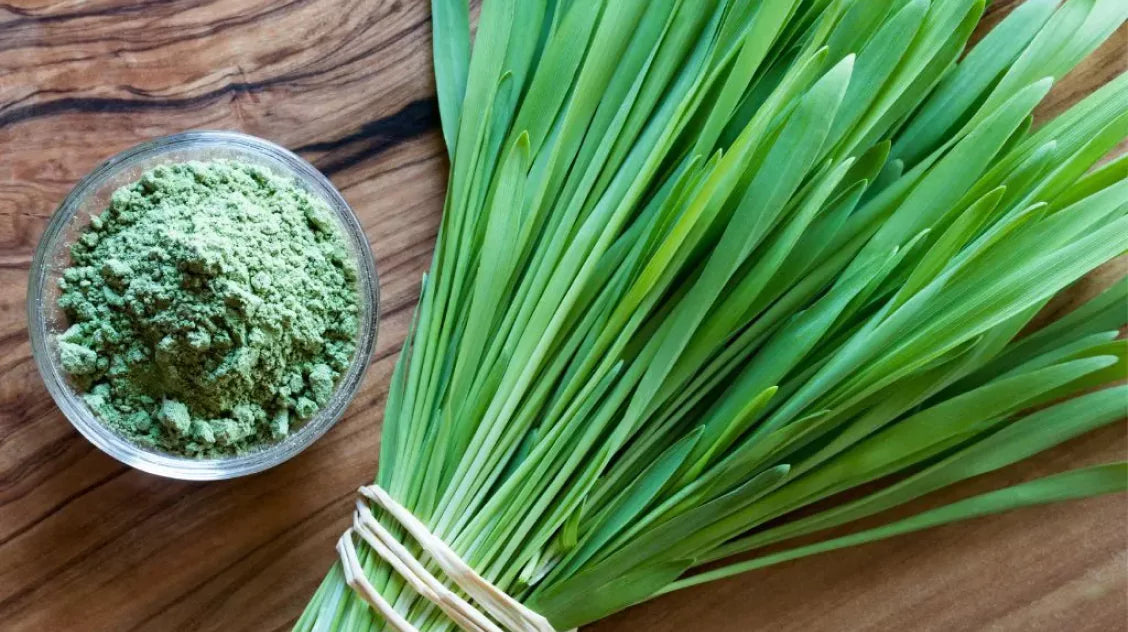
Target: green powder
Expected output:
[213,308]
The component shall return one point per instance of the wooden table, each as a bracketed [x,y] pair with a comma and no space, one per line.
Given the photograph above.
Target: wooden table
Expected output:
[88,544]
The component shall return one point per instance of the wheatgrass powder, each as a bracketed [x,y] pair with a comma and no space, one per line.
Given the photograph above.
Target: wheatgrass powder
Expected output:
[213,306]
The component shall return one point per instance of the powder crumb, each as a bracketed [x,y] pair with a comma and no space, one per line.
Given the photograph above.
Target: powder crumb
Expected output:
[175,417]
[77,359]
[321,383]
[305,407]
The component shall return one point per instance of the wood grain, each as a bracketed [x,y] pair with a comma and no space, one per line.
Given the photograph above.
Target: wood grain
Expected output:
[88,544]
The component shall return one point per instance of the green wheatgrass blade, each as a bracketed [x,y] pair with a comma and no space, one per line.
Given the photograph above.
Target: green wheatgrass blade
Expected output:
[497,265]
[926,199]
[914,440]
[975,74]
[767,20]
[857,24]
[653,545]
[941,37]
[1102,177]
[1017,440]
[747,285]
[876,62]
[1073,167]
[954,239]
[1106,311]
[789,160]
[1083,483]
[973,304]
[631,502]
[390,446]
[1073,128]
[1075,30]
[949,418]
[450,20]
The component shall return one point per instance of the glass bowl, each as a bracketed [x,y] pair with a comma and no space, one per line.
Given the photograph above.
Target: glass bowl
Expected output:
[90,196]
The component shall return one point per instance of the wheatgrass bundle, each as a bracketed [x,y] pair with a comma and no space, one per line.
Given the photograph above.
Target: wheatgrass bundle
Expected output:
[707,263]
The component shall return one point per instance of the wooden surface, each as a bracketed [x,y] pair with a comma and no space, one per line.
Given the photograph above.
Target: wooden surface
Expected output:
[88,544]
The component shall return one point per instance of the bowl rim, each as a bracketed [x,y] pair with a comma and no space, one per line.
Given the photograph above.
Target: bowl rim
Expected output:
[282,161]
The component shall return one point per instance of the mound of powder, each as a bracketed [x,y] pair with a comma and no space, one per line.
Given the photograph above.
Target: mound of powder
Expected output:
[213,306]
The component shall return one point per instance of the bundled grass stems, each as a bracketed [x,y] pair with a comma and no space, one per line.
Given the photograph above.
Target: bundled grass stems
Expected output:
[706,263]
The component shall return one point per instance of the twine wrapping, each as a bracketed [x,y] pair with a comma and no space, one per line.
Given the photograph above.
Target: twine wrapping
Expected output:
[512,614]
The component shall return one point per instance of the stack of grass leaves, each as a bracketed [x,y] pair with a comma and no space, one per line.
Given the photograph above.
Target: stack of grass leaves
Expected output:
[706,265]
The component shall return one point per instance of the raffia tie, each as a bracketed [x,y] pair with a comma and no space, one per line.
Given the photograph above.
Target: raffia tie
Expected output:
[492,601]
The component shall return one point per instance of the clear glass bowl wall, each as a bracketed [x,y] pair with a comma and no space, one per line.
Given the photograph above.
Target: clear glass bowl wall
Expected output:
[91,196]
